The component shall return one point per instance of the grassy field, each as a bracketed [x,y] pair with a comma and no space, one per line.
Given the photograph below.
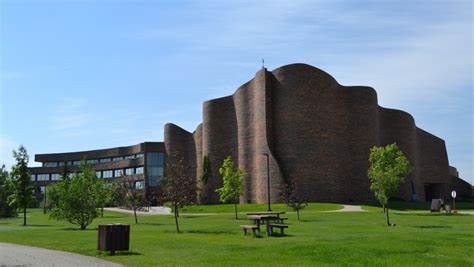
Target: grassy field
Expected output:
[212,237]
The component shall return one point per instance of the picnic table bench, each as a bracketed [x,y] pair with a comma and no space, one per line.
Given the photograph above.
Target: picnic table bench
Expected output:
[279,226]
[254,229]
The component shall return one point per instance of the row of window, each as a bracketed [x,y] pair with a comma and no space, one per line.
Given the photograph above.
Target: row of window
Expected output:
[100,174]
[135,185]
[91,161]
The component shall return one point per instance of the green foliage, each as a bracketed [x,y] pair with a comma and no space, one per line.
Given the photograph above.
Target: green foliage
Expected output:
[206,170]
[76,200]
[135,200]
[23,194]
[388,168]
[6,189]
[232,183]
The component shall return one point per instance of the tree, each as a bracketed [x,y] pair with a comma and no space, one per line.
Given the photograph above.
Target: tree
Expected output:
[105,195]
[77,199]
[6,189]
[178,187]
[232,183]
[23,193]
[205,177]
[388,168]
[293,198]
[135,200]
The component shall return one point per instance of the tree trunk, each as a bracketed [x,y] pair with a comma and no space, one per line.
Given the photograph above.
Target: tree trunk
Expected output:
[383,208]
[298,214]
[102,212]
[388,220]
[235,206]
[176,218]
[135,213]
[24,216]
[83,226]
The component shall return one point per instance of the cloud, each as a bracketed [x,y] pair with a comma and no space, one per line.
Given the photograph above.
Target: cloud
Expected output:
[70,116]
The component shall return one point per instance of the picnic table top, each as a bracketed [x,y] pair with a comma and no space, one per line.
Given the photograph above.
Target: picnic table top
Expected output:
[264,217]
[266,213]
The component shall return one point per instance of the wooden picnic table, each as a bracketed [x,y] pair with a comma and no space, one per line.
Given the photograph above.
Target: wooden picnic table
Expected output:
[269,213]
[264,217]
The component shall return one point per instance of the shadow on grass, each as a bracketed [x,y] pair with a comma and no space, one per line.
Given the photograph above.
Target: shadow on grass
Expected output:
[78,229]
[432,226]
[120,253]
[211,232]
[38,225]
[151,223]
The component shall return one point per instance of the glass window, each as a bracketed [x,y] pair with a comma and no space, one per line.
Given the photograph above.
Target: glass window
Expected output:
[33,177]
[43,177]
[129,157]
[118,173]
[98,174]
[70,174]
[76,163]
[139,170]
[139,155]
[155,165]
[50,164]
[129,171]
[55,176]
[107,174]
[105,160]
[139,185]
[42,189]
[93,161]
[61,163]
[117,158]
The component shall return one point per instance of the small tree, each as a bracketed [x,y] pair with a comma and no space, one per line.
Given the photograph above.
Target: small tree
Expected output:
[178,187]
[293,198]
[135,200]
[6,189]
[23,192]
[77,199]
[388,168]
[232,183]
[104,195]
[205,177]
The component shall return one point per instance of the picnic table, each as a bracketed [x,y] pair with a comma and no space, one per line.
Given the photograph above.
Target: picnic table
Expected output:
[265,217]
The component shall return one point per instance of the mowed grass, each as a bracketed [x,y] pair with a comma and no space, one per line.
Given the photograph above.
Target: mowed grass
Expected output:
[211,236]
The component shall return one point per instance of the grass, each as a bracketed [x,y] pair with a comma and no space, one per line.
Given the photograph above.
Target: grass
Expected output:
[212,237]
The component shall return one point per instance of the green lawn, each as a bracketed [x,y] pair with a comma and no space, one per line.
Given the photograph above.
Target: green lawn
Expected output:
[321,238]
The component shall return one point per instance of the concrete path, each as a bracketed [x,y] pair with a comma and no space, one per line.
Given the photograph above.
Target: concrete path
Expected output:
[12,255]
[348,208]
[153,211]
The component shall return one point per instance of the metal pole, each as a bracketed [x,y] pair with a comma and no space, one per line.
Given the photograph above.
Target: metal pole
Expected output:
[268,181]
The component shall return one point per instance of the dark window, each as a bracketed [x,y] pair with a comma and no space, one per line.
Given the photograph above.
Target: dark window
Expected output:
[155,165]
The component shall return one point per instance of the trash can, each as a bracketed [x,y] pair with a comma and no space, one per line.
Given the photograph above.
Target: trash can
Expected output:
[113,237]
[448,208]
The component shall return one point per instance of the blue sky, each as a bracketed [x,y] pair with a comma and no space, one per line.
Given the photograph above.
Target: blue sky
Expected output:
[79,75]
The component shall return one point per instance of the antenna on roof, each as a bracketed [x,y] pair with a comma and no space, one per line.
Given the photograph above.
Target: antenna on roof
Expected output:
[263,63]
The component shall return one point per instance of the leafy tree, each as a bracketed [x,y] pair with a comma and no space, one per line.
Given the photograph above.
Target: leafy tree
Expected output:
[77,199]
[205,177]
[105,195]
[293,198]
[23,193]
[136,200]
[178,187]
[232,183]
[6,189]
[388,168]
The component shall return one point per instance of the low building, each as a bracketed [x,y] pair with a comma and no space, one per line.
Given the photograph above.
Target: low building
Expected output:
[296,122]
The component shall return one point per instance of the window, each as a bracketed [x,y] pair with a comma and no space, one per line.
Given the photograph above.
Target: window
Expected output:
[42,177]
[117,158]
[61,163]
[76,163]
[105,160]
[42,189]
[155,162]
[139,155]
[70,174]
[93,161]
[139,170]
[98,174]
[129,157]
[33,177]
[55,176]
[129,171]
[118,173]
[139,185]
[50,164]
[107,174]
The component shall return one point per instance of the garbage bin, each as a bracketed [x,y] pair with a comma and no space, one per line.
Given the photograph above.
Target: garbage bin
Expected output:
[448,208]
[113,237]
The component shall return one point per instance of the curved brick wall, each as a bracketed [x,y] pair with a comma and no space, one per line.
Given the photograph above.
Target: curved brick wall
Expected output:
[315,131]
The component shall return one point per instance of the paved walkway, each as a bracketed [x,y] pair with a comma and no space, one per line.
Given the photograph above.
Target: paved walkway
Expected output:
[153,211]
[12,255]
[348,208]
